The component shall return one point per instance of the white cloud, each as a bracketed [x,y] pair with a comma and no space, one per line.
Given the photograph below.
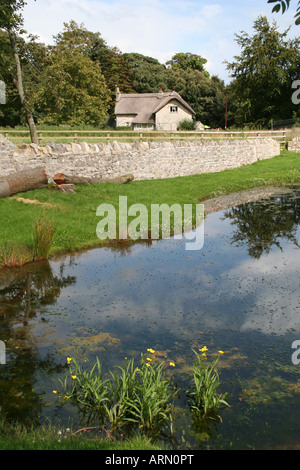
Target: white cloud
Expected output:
[158,28]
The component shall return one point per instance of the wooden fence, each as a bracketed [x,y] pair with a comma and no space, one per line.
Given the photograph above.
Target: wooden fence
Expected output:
[64,136]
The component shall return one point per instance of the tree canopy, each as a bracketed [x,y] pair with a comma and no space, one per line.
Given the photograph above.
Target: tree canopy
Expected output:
[263,75]
[74,81]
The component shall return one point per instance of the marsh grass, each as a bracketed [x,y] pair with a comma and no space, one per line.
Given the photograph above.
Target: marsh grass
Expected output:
[14,256]
[43,236]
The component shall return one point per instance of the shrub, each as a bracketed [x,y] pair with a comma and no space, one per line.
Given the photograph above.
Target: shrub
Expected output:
[187,125]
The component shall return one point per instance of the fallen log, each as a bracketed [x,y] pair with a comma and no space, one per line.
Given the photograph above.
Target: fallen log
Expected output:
[61,178]
[22,181]
[64,188]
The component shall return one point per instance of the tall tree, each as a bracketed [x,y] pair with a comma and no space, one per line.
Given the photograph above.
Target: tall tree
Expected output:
[114,66]
[186,60]
[263,74]
[72,91]
[11,21]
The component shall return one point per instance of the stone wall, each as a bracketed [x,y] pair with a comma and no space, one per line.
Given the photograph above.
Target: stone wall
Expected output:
[294,145]
[145,160]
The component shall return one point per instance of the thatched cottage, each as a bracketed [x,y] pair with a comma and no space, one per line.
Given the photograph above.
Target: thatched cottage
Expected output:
[149,111]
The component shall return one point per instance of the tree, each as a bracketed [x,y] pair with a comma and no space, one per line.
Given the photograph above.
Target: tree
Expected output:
[114,66]
[11,21]
[186,60]
[73,90]
[263,75]
[149,75]
[283,5]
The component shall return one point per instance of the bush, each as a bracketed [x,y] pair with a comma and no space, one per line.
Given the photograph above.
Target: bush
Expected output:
[187,125]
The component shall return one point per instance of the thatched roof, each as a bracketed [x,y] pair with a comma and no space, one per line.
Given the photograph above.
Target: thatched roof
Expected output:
[144,105]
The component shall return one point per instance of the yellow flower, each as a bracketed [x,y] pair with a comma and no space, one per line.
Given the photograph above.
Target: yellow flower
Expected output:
[74,377]
[221,352]
[203,355]
[149,359]
[147,364]
[203,349]
[172,364]
[65,397]
[151,350]
[54,391]
[69,359]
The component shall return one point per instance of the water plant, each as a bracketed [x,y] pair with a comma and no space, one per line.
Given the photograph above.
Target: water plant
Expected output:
[43,235]
[131,398]
[13,256]
[204,399]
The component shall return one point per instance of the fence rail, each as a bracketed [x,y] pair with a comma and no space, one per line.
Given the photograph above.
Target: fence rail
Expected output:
[64,136]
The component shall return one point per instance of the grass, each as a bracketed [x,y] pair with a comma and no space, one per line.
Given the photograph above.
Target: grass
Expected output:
[14,436]
[73,216]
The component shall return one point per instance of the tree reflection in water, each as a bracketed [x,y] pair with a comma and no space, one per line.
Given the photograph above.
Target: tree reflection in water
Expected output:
[23,293]
[263,224]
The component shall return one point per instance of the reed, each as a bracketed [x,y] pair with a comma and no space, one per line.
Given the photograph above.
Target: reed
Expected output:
[43,236]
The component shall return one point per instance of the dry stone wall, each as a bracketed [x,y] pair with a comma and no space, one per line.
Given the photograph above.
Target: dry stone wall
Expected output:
[145,160]
[294,145]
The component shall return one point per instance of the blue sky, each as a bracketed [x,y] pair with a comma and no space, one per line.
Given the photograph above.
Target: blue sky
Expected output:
[160,28]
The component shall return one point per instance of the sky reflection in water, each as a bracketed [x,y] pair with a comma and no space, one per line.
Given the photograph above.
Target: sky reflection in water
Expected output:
[239,293]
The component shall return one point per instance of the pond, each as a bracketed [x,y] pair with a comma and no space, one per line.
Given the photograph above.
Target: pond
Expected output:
[238,294]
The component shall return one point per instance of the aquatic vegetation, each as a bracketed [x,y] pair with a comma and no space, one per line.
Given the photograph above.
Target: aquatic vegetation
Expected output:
[139,398]
[130,398]
[203,397]
[13,256]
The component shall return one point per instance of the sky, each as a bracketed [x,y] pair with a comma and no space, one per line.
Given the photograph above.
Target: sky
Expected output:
[160,28]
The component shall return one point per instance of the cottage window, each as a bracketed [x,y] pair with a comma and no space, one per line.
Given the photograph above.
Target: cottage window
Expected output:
[173,109]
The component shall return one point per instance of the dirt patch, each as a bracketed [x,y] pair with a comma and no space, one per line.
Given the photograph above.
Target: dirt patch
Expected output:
[221,203]
[35,201]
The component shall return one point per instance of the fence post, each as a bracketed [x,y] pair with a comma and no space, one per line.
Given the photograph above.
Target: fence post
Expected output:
[75,137]
[40,137]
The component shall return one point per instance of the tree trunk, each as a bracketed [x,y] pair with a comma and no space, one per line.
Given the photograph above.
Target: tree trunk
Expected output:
[19,84]
[33,178]
[61,178]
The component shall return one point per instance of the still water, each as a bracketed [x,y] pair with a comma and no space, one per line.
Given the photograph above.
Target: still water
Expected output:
[238,294]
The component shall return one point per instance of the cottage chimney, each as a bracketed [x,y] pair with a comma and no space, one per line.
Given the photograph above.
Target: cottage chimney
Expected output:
[161,91]
[118,94]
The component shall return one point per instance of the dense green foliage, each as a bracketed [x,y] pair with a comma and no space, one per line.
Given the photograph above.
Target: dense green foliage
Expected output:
[74,81]
[263,75]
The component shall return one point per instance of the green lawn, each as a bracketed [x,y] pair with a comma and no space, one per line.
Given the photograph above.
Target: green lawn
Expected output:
[74,215]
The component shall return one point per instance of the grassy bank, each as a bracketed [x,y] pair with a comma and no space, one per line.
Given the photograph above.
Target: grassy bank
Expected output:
[74,215]
[50,437]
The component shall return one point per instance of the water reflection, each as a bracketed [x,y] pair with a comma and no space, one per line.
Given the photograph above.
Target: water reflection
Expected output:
[25,292]
[238,294]
[262,225]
